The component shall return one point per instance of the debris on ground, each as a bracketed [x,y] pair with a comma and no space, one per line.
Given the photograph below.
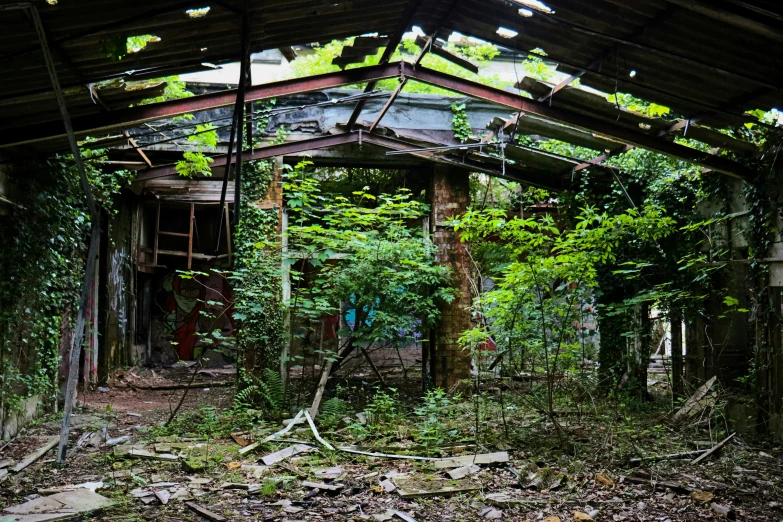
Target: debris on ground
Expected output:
[60,506]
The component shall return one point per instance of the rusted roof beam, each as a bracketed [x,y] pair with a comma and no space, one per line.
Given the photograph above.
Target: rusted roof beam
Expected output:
[425,48]
[608,129]
[145,113]
[422,74]
[324,142]
[394,41]
[271,151]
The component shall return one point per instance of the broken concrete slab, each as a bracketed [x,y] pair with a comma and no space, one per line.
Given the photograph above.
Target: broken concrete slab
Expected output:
[60,506]
[388,486]
[328,473]
[257,471]
[118,440]
[322,486]
[423,486]
[464,471]
[283,454]
[92,486]
[149,455]
[481,458]
[163,496]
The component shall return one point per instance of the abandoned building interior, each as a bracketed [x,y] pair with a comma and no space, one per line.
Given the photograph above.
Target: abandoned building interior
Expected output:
[415,259]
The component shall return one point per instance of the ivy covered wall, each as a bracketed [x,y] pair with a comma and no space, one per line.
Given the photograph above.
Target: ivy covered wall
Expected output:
[42,256]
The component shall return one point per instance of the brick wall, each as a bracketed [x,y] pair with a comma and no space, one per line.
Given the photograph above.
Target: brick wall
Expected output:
[450,192]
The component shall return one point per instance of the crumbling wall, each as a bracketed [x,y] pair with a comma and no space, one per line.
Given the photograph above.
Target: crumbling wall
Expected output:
[450,193]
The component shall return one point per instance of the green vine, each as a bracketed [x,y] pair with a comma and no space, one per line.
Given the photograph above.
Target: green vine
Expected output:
[259,307]
[42,265]
[460,123]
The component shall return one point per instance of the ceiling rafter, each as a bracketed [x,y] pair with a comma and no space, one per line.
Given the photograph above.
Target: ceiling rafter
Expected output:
[377,72]
[424,50]
[394,41]
[324,142]
[607,53]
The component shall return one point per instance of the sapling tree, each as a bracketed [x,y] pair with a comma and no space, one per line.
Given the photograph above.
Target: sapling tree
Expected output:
[534,309]
[368,253]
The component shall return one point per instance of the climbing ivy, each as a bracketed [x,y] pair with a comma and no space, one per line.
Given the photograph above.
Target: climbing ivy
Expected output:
[42,266]
[460,123]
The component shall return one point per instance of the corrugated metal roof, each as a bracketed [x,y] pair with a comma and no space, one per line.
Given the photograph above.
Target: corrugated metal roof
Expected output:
[705,59]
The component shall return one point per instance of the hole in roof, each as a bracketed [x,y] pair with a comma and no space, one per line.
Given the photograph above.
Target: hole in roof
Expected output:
[527,13]
[536,4]
[134,44]
[197,12]
[51,2]
[632,74]
[417,30]
[203,49]
[506,33]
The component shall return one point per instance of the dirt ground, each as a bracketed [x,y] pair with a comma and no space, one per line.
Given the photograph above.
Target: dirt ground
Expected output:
[538,482]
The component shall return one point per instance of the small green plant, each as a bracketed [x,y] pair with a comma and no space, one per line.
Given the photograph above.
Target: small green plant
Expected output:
[195,162]
[435,413]
[383,409]
[268,488]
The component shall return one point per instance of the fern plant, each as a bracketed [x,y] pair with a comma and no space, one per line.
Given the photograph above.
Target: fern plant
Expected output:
[332,412]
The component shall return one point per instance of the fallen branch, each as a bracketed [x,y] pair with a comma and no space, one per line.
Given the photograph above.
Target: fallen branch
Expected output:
[638,461]
[659,484]
[184,386]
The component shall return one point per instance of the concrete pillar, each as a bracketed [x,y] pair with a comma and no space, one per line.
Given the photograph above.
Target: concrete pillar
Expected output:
[450,196]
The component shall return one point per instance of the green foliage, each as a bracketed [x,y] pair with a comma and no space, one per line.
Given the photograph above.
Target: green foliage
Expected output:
[258,309]
[332,412]
[175,89]
[195,163]
[549,275]
[115,48]
[41,270]
[460,123]
[387,273]
[320,61]
[384,409]
[626,101]
[435,414]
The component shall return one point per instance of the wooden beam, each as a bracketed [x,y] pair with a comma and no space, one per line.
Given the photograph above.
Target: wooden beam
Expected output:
[137,148]
[731,15]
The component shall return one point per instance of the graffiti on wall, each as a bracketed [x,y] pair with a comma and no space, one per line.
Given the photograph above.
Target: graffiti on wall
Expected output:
[200,304]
